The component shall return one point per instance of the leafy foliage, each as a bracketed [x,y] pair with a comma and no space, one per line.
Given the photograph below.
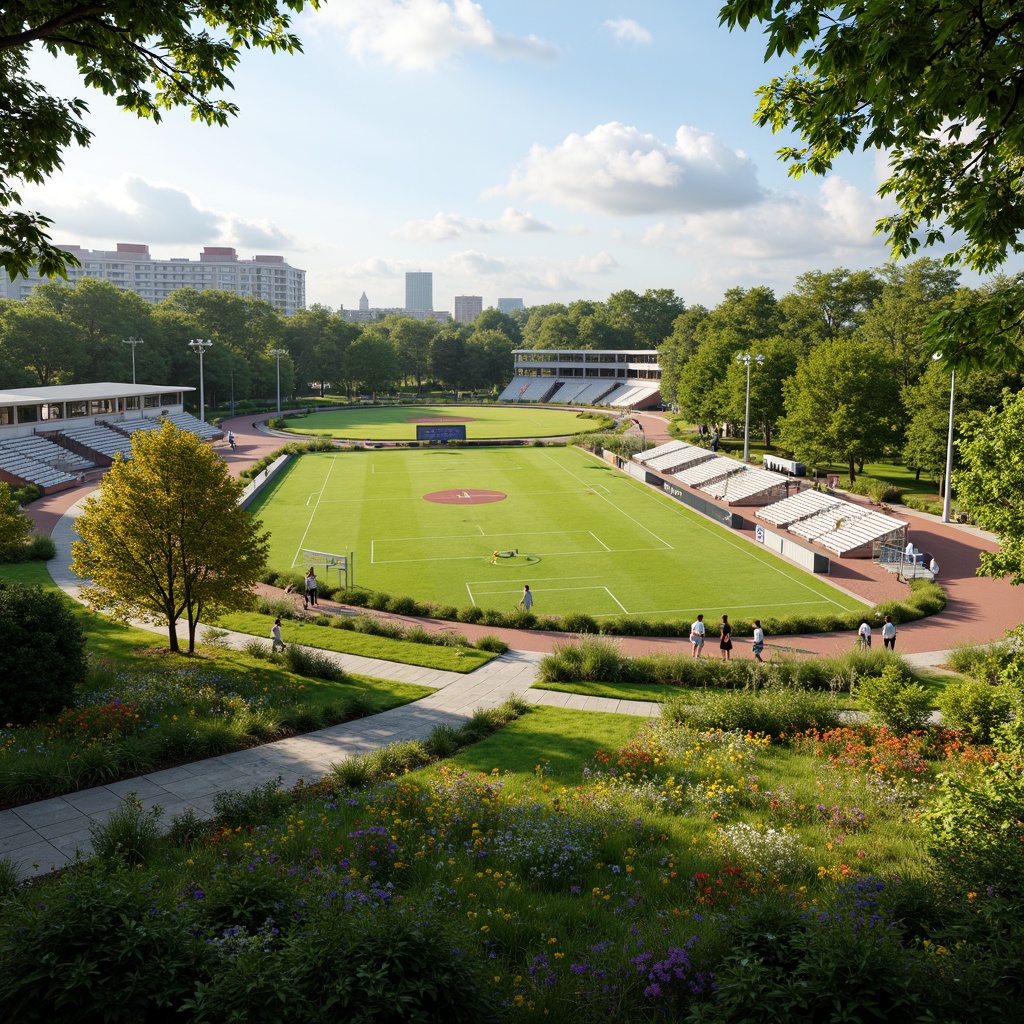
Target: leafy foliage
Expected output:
[42,658]
[895,700]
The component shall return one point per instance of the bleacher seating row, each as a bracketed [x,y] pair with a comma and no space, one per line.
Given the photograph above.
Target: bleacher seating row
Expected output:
[49,465]
[575,392]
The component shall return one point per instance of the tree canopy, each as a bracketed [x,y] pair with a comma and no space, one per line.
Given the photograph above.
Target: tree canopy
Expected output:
[164,536]
[937,87]
[150,56]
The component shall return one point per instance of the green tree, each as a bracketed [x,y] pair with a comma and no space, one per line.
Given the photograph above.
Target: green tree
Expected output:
[781,357]
[51,347]
[165,537]
[678,348]
[647,319]
[411,339]
[828,304]
[842,405]
[371,363]
[937,88]
[15,526]
[151,57]
[448,356]
[991,484]
[317,340]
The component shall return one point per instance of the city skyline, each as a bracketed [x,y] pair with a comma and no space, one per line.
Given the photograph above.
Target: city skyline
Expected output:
[600,148]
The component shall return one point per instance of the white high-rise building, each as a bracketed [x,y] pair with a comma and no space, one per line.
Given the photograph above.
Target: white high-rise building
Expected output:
[507,305]
[132,268]
[419,291]
[468,308]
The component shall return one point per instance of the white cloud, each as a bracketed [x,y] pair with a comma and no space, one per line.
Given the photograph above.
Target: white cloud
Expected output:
[626,30]
[836,220]
[447,226]
[133,209]
[422,35]
[617,169]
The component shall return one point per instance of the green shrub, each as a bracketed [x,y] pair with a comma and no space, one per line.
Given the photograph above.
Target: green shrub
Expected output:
[236,807]
[305,661]
[378,601]
[352,773]
[42,656]
[493,644]
[577,622]
[8,876]
[256,649]
[278,607]
[975,708]
[99,948]
[773,712]
[444,741]
[892,699]
[187,829]
[131,834]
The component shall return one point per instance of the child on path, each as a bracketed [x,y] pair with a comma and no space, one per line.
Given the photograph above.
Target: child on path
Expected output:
[275,632]
[526,601]
[725,638]
[758,640]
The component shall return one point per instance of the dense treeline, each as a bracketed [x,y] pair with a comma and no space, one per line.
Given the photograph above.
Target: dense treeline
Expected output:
[63,335]
[847,374]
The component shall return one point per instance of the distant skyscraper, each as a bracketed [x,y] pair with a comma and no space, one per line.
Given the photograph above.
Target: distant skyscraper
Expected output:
[364,303]
[468,308]
[419,291]
[507,305]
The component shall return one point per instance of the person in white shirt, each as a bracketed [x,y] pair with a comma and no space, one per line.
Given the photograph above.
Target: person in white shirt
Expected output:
[758,640]
[697,632]
[933,568]
[864,633]
[889,634]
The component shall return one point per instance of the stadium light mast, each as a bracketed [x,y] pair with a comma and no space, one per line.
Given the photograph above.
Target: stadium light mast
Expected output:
[133,342]
[745,359]
[199,346]
[279,352]
[949,444]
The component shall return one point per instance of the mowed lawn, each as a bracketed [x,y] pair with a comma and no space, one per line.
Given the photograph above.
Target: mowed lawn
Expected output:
[590,539]
[483,422]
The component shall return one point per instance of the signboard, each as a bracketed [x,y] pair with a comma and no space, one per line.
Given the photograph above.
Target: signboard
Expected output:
[440,431]
[759,534]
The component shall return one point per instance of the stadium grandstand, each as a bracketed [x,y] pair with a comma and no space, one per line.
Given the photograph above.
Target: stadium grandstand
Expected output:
[56,437]
[618,378]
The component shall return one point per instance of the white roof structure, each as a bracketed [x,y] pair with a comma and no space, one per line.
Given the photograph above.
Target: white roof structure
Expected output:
[740,486]
[864,530]
[662,449]
[84,392]
[708,471]
[684,458]
[815,527]
[797,507]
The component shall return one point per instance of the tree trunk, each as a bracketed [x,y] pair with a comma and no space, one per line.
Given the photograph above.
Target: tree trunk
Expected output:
[172,636]
[853,474]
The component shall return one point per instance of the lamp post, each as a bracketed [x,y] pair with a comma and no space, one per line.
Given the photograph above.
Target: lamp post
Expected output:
[949,444]
[745,359]
[279,352]
[199,346]
[133,342]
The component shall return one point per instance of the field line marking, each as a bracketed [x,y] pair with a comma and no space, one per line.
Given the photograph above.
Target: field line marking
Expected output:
[599,541]
[617,601]
[312,515]
[603,497]
[468,536]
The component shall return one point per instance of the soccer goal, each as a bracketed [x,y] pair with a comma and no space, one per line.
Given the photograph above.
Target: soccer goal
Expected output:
[326,560]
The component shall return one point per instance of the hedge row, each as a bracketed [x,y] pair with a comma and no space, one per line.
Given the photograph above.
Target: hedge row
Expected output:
[925,598]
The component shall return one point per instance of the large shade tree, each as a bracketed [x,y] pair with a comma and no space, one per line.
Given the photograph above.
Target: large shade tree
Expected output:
[165,537]
[150,56]
[937,87]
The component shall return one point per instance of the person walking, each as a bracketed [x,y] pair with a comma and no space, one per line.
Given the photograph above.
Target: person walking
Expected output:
[758,641]
[311,587]
[275,632]
[697,633]
[526,601]
[725,638]
[889,634]
[864,634]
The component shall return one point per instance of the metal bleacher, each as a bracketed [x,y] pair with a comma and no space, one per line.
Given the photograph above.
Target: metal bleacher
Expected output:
[677,461]
[32,470]
[100,439]
[797,507]
[662,449]
[43,450]
[186,421]
[709,470]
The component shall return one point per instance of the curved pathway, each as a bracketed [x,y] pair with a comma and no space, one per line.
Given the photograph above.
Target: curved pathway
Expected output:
[42,836]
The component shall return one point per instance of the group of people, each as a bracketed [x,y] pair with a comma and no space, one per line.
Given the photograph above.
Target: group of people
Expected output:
[888,634]
[698,633]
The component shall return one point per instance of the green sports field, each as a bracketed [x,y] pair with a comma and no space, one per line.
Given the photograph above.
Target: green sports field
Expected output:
[589,538]
[483,422]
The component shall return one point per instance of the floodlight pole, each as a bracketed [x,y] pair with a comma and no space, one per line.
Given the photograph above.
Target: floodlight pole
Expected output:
[279,352]
[133,342]
[947,497]
[200,346]
[745,359]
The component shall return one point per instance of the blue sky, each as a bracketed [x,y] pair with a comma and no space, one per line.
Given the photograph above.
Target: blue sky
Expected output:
[552,151]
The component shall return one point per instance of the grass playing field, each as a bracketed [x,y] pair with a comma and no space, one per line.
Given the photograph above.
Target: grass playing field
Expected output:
[483,422]
[589,538]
